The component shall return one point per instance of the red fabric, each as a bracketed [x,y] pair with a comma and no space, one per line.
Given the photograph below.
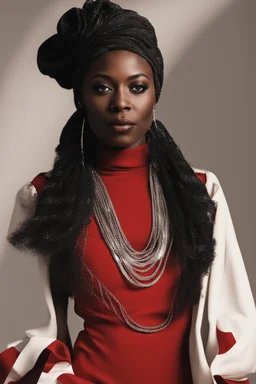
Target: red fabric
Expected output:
[226,340]
[202,177]
[7,359]
[55,353]
[106,350]
[39,182]
[59,352]
[71,379]
[220,380]
[34,374]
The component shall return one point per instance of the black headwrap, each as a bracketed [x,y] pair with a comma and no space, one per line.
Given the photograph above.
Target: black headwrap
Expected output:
[96,28]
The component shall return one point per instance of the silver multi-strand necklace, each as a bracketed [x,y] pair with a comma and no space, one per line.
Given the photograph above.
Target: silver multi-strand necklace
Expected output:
[130,261]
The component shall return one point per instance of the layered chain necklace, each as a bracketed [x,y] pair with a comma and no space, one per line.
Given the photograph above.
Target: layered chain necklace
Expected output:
[129,261]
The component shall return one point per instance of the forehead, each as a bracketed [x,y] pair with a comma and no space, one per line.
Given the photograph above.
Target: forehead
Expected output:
[119,63]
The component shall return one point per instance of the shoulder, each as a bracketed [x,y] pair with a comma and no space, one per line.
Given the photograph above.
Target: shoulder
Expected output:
[40,181]
[212,181]
[28,192]
[201,174]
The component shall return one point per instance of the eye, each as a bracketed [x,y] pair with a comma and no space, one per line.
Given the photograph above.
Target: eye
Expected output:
[100,86]
[142,86]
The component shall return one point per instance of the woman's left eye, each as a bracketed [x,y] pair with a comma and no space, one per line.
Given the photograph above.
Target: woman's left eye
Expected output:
[143,87]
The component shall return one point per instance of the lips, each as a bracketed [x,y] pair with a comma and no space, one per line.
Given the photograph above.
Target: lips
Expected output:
[121,128]
[120,122]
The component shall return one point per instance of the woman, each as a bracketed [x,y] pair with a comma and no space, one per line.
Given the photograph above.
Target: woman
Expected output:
[127,228]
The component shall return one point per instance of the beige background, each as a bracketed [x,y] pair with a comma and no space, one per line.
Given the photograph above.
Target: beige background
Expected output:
[207,103]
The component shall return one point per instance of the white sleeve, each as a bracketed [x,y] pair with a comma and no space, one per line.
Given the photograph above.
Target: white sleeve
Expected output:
[23,358]
[231,307]
[24,208]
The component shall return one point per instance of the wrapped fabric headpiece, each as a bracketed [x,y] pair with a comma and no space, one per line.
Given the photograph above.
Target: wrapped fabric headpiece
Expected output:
[96,28]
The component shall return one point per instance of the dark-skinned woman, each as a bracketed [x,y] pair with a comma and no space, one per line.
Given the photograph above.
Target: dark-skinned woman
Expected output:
[141,241]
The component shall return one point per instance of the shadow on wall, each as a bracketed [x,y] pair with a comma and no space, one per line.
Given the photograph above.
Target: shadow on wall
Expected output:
[206,105]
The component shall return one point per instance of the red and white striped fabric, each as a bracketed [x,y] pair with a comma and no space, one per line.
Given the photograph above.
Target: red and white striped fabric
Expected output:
[38,360]
[222,344]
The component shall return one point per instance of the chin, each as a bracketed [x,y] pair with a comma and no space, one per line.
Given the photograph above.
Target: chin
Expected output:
[122,141]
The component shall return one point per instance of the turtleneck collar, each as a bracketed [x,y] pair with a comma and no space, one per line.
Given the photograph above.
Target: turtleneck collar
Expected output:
[122,159]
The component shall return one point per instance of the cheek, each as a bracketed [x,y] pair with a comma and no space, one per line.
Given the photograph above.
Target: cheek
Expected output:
[149,112]
[94,112]
[145,114]
[95,106]
[144,106]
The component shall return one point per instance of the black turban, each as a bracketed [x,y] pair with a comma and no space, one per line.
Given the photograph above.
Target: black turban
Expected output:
[96,28]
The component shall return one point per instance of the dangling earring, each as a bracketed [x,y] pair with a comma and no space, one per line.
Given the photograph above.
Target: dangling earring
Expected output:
[154,117]
[82,143]
[82,134]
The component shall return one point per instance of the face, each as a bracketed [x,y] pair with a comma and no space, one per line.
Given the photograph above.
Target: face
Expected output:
[108,92]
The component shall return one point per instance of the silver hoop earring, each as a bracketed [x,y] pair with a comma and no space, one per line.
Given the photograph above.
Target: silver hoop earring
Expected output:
[82,143]
[154,117]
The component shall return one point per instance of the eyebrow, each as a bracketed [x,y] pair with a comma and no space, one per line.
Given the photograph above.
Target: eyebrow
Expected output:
[128,78]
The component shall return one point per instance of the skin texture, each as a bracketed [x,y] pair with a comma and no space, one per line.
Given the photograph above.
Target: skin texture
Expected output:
[104,99]
[115,98]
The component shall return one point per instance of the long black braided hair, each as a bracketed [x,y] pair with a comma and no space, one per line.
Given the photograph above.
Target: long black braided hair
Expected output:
[65,206]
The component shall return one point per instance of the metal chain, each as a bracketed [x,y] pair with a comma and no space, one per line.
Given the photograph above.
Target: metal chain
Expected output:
[114,304]
[127,258]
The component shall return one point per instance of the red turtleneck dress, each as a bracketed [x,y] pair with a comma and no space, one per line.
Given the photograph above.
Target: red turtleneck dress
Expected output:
[107,351]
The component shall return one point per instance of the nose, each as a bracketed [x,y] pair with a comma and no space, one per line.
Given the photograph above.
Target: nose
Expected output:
[120,100]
